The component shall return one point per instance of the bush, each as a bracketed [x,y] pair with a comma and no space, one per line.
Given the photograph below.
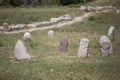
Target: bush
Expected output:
[16,2]
[43,2]
[11,2]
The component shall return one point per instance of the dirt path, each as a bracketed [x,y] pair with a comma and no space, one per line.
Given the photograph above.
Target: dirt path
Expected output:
[60,24]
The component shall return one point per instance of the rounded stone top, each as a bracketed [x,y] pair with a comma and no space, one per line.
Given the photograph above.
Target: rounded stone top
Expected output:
[27,36]
[5,24]
[104,42]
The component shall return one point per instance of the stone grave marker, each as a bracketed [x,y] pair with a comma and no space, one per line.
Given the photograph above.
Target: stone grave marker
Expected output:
[50,33]
[5,27]
[111,32]
[27,36]
[20,51]
[63,44]
[83,49]
[105,46]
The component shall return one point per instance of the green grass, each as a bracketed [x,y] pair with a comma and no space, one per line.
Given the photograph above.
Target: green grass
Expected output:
[49,64]
[27,15]
[115,3]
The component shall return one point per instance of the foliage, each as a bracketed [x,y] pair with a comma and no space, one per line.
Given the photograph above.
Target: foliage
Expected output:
[42,2]
[11,2]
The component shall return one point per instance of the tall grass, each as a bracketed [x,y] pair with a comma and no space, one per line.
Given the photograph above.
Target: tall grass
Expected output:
[48,63]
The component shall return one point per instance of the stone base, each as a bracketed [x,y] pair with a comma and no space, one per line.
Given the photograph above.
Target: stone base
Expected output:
[83,53]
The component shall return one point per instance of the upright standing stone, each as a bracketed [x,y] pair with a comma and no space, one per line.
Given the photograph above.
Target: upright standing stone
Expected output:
[105,46]
[5,27]
[111,32]
[50,33]
[27,36]
[63,44]
[83,49]
[20,51]
[118,11]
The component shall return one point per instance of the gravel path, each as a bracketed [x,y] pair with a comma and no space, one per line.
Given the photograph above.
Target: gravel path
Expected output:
[60,24]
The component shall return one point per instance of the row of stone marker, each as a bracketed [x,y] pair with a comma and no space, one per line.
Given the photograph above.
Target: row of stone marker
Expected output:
[106,48]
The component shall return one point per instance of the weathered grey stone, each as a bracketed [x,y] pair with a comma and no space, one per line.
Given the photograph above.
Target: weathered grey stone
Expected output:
[63,44]
[50,33]
[5,27]
[17,27]
[83,8]
[1,28]
[61,18]
[89,9]
[20,51]
[54,20]
[20,26]
[105,46]
[27,36]
[118,11]
[111,32]
[83,49]
[96,8]
[66,17]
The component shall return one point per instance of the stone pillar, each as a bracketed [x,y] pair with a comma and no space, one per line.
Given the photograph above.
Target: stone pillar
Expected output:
[111,32]
[83,49]
[63,44]
[5,27]
[20,51]
[50,33]
[105,46]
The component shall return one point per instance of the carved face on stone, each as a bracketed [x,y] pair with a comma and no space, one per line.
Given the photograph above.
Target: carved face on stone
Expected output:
[84,43]
[104,52]
[104,42]
[105,45]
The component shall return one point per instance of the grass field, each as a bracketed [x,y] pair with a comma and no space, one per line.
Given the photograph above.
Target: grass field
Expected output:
[27,15]
[49,64]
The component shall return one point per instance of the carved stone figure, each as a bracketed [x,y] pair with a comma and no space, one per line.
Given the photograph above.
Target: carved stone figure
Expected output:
[83,49]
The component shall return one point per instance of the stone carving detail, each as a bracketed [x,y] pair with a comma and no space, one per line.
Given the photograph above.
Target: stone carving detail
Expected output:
[105,46]
[83,49]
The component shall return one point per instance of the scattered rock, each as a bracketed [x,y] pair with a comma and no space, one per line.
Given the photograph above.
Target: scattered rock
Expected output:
[17,27]
[96,8]
[83,8]
[117,11]
[61,18]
